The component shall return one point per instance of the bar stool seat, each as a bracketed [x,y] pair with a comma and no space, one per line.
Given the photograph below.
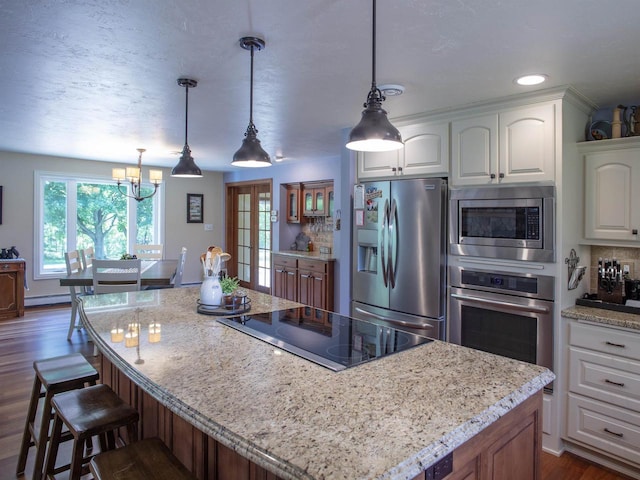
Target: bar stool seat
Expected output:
[52,376]
[95,410]
[146,459]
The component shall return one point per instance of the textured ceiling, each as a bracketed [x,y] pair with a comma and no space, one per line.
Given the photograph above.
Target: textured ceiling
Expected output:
[96,79]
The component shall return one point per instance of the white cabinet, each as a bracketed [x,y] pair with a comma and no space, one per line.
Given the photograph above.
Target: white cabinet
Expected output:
[511,146]
[612,189]
[425,152]
[603,405]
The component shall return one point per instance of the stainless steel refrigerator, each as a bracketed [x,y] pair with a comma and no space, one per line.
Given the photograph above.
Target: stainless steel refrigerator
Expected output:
[399,256]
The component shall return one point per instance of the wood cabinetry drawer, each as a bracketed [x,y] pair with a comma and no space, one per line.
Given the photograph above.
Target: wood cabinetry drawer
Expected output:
[605,339]
[609,428]
[605,377]
[285,261]
[312,265]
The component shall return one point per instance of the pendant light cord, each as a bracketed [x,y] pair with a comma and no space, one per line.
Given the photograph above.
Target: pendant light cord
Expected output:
[251,90]
[186,114]
[373,49]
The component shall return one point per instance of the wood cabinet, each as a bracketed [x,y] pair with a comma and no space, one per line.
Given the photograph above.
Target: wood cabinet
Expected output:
[306,281]
[11,288]
[505,147]
[425,152]
[285,277]
[329,196]
[313,200]
[507,449]
[612,189]
[294,203]
[603,404]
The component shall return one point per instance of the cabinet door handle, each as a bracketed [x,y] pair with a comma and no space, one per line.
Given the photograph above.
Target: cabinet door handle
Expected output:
[634,231]
[6,267]
[492,176]
[619,345]
[619,435]
[617,384]
[501,175]
[400,169]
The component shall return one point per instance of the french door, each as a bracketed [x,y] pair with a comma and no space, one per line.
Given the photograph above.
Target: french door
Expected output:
[248,233]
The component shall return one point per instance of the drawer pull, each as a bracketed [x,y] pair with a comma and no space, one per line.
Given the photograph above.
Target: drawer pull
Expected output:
[617,384]
[619,345]
[619,435]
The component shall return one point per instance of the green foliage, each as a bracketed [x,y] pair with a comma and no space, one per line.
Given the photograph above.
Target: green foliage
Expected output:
[229,285]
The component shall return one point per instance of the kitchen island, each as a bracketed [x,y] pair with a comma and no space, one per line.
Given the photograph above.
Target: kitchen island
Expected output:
[231,406]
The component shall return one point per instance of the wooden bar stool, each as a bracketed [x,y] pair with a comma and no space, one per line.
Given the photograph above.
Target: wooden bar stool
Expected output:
[95,410]
[146,459]
[52,376]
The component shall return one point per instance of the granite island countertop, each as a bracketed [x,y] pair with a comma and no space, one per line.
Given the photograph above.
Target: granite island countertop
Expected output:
[386,419]
[605,317]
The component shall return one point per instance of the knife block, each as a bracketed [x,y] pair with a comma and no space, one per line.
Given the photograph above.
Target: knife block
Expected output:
[616,295]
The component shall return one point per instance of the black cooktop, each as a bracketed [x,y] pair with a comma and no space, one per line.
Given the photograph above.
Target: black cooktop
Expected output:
[329,339]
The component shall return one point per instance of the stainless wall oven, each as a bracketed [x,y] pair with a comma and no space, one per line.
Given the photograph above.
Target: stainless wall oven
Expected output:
[509,222]
[509,314]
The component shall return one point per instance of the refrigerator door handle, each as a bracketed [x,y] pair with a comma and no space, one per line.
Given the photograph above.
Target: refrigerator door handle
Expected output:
[394,322]
[384,230]
[393,242]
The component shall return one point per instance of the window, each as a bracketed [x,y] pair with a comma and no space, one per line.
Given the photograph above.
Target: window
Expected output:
[77,212]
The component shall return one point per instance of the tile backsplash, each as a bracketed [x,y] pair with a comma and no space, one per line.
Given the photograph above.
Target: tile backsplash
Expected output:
[625,255]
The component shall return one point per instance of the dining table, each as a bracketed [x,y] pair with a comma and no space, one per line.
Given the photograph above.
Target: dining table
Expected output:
[154,273]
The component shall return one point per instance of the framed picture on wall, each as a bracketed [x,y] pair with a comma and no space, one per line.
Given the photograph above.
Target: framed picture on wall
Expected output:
[194,208]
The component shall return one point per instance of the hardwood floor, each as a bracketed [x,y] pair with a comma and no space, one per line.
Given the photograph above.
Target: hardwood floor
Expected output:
[41,333]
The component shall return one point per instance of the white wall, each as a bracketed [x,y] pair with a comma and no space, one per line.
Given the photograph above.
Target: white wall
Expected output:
[17,178]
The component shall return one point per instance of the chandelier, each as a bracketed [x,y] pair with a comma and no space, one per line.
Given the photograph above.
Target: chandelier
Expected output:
[134,176]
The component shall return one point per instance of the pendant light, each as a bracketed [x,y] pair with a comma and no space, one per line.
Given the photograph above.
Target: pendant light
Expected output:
[251,154]
[186,167]
[374,133]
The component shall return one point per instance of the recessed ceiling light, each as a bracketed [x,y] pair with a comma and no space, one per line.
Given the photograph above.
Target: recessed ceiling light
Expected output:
[391,90]
[535,79]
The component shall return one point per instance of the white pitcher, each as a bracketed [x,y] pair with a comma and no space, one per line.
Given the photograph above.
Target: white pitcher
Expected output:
[210,291]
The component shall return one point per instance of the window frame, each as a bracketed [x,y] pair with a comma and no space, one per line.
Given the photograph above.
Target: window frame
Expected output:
[71,180]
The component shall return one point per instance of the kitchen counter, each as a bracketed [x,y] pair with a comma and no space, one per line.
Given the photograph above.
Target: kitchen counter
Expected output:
[315,255]
[386,419]
[600,315]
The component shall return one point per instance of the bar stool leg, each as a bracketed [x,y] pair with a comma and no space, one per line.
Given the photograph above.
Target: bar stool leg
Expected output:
[52,451]
[26,436]
[43,437]
[76,459]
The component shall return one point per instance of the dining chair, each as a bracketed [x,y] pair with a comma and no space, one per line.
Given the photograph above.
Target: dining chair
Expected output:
[176,278]
[110,276]
[87,255]
[148,252]
[74,265]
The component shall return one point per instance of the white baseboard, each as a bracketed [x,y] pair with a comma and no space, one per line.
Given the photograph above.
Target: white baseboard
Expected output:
[46,300]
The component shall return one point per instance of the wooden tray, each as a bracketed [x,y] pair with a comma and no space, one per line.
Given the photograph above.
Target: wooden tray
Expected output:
[224,311]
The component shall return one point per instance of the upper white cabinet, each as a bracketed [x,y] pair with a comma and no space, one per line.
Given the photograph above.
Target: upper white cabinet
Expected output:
[505,147]
[612,189]
[425,152]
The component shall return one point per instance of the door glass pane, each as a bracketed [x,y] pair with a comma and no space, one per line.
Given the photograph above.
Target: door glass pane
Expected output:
[264,239]
[244,237]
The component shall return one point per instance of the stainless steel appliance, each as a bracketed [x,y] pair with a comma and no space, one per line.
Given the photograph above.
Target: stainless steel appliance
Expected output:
[399,256]
[508,314]
[508,222]
[337,343]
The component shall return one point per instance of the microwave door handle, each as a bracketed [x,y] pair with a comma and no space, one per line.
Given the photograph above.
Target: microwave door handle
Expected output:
[384,231]
[422,326]
[393,243]
[500,303]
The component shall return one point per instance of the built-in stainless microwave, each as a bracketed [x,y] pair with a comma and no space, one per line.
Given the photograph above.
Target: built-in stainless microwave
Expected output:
[508,222]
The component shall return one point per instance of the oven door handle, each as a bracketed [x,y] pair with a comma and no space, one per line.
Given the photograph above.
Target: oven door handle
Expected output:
[515,306]
[395,322]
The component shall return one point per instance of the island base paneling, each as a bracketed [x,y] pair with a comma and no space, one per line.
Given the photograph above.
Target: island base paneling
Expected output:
[205,457]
